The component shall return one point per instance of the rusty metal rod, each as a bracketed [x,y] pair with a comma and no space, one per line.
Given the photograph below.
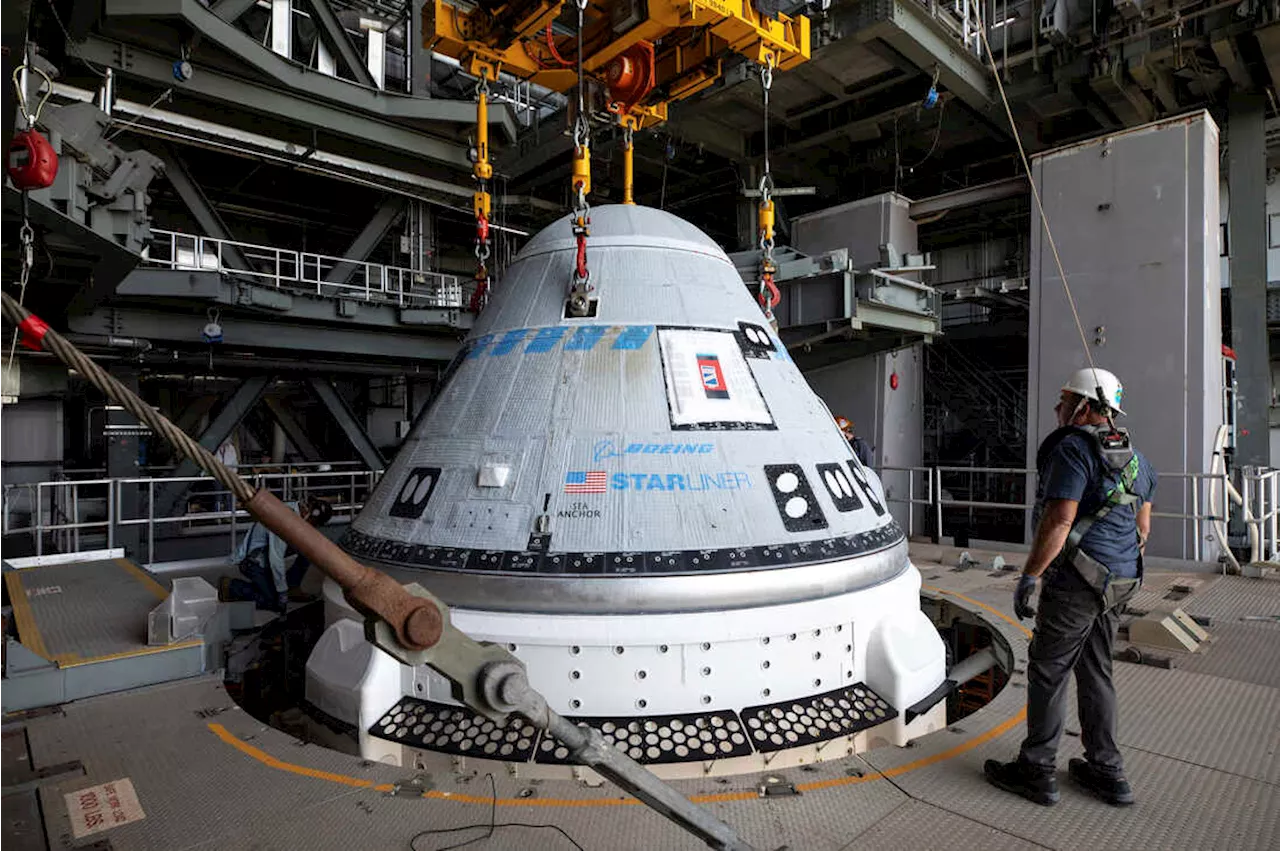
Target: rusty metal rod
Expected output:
[417,622]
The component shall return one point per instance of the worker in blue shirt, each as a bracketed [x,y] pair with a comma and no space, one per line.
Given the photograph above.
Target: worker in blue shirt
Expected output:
[261,559]
[1092,518]
[857,444]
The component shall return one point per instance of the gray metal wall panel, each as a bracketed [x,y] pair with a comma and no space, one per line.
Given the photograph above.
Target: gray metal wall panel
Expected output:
[1130,214]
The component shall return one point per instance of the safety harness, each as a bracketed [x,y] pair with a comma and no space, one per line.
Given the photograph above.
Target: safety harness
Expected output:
[1117,455]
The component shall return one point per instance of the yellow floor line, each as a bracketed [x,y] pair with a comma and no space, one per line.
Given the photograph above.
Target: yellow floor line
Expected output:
[71,660]
[23,617]
[980,605]
[142,576]
[266,759]
[995,732]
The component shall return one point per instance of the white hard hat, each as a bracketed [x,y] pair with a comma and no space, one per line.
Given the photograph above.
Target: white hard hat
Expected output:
[1088,381]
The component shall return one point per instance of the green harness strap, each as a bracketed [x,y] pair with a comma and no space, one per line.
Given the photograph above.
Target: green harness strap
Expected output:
[1120,494]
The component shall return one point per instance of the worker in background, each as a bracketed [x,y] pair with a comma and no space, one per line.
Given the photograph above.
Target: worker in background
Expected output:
[229,455]
[857,444]
[261,558]
[1092,517]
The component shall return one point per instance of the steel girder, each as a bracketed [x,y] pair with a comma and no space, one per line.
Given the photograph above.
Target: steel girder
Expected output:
[247,333]
[370,129]
[299,77]
[237,407]
[337,40]
[347,421]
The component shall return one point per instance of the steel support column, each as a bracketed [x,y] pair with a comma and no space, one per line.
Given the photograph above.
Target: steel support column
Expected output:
[419,59]
[235,409]
[347,421]
[391,208]
[1247,238]
[285,419]
[337,40]
[121,439]
[184,183]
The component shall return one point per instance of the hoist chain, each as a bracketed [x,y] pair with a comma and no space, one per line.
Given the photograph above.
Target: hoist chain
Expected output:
[580,281]
[483,170]
[768,294]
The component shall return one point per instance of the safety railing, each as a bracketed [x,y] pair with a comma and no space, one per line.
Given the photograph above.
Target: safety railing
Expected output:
[924,489]
[304,271]
[1260,494]
[78,514]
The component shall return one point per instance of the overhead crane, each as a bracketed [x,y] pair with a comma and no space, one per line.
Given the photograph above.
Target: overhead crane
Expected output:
[637,56]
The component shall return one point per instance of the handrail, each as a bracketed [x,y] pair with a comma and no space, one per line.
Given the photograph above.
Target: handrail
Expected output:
[346,490]
[1266,499]
[305,271]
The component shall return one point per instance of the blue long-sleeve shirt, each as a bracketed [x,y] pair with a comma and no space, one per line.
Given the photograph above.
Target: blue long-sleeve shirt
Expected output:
[260,538]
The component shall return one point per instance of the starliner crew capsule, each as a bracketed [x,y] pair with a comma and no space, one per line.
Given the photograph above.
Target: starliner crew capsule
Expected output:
[653,511]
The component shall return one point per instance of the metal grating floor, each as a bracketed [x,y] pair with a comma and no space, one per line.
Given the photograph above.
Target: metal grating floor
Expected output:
[1201,749]
[86,611]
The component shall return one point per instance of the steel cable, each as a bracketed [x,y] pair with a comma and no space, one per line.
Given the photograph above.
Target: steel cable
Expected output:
[127,399]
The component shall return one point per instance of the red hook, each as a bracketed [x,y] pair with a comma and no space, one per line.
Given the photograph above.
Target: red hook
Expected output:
[774,296]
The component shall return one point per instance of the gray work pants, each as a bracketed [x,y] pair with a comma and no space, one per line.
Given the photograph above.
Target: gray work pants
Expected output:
[1072,633]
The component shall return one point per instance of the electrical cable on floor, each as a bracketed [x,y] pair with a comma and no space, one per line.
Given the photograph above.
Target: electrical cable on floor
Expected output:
[1035,193]
[490,827]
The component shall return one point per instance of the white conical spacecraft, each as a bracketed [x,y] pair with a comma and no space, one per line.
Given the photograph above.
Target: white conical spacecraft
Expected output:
[654,512]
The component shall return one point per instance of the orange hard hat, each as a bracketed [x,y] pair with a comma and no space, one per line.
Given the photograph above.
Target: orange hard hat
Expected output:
[844,424]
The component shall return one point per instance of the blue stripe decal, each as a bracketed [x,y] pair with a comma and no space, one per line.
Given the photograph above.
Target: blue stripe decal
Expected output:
[545,340]
[633,337]
[478,347]
[509,341]
[585,338]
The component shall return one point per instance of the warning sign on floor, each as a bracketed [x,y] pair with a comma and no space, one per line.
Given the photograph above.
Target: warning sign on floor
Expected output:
[100,808]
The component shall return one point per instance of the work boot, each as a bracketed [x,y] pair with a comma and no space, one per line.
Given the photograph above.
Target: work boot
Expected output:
[1020,778]
[1114,790]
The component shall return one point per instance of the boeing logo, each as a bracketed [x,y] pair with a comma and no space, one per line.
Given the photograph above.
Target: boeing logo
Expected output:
[608,449]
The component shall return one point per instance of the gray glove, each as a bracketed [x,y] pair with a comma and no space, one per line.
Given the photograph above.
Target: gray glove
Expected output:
[1022,597]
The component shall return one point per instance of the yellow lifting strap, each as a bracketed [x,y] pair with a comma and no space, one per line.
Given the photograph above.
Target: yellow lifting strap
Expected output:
[628,159]
[483,169]
[581,170]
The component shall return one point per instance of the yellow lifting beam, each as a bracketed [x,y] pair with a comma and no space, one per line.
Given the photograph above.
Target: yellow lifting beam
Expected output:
[516,38]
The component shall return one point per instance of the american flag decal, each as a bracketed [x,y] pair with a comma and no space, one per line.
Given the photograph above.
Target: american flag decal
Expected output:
[589,481]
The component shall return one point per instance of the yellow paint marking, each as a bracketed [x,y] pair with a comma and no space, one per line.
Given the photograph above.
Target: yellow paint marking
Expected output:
[25,619]
[994,733]
[142,576]
[980,605]
[723,797]
[71,660]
